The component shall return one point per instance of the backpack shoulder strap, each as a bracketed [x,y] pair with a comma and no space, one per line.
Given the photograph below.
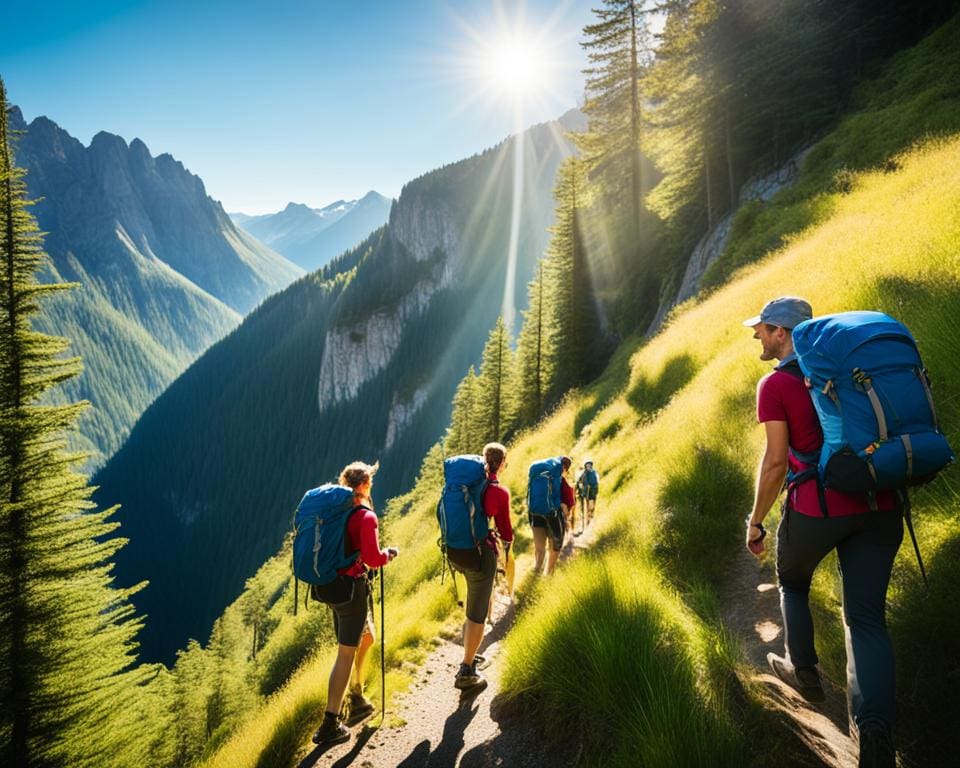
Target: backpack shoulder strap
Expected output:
[792,369]
[347,549]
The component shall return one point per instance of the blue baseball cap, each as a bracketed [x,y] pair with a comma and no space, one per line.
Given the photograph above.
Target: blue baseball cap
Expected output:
[785,312]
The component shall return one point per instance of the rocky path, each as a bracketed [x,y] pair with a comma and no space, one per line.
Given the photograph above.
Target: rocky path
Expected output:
[751,609]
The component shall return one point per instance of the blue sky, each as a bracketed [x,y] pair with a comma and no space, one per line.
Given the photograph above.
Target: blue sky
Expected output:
[291,100]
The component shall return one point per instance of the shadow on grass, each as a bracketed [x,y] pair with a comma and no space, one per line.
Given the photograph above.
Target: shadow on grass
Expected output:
[925,626]
[647,396]
[607,387]
[702,505]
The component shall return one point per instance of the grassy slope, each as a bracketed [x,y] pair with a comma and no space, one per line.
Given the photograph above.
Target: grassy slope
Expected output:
[671,425]
[678,444]
[915,98]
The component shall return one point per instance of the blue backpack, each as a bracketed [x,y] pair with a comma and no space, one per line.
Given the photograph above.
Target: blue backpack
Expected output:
[460,512]
[320,544]
[543,487]
[872,394]
[590,478]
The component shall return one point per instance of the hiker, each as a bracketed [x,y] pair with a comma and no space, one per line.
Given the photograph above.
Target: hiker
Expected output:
[588,484]
[352,623]
[477,563]
[568,501]
[545,512]
[814,521]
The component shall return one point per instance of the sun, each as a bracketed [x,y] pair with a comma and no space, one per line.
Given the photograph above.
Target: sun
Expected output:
[513,66]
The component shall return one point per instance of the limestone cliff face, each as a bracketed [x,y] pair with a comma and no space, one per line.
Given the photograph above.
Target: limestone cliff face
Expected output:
[402,413]
[354,354]
[423,224]
[427,229]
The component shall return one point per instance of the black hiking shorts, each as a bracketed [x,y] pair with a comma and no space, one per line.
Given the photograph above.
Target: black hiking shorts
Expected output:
[556,528]
[479,583]
[350,618]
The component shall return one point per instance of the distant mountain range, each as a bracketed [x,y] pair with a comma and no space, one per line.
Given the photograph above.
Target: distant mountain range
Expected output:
[311,237]
[163,271]
[358,360]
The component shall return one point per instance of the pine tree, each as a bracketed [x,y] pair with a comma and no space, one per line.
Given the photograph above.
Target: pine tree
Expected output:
[532,362]
[495,396]
[578,350]
[66,635]
[463,434]
[618,51]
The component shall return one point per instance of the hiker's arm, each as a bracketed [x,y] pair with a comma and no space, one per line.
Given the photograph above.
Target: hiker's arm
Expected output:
[370,550]
[770,475]
[497,506]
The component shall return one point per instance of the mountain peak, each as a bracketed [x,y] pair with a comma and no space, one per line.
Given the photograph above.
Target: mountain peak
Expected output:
[291,207]
[104,142]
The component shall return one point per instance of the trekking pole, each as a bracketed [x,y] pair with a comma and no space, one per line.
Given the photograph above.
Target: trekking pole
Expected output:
[908,519]
[383,656]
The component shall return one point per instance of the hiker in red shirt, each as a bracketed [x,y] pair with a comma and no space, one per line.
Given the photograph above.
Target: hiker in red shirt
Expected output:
[816,520]
[568,500]
[351,619]
[479,569]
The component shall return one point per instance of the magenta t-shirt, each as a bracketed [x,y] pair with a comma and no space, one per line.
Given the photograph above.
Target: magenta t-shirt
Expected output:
[784,397]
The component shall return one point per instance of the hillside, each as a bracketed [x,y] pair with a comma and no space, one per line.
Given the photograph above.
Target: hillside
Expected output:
[326,370]
[672,429]
[311,237]
[164,272]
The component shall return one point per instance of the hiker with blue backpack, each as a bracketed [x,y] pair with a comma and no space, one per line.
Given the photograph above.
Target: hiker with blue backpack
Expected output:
[849,423]
[588,486]
[335,543]
[471,497]
[545,511]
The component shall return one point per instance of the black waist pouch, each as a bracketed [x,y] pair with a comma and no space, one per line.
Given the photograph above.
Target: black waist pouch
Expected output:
[340,590]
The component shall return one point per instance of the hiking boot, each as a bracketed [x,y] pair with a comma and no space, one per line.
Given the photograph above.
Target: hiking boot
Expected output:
[360,708]
[804,680]
[876,747]
[479,660]
[468,678]
[330,732]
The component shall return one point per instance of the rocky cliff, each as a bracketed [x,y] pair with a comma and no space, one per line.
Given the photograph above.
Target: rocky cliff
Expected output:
[712,244]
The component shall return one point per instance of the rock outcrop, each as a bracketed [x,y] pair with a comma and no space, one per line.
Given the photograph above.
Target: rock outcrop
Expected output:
[711,245]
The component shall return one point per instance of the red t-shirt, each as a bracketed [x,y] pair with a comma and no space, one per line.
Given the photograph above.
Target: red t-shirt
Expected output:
[496,503]
[784,397]
[566,493]
[362,535]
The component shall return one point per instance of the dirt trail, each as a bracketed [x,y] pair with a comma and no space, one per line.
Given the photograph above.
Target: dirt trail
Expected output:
[444,728]
[751,610]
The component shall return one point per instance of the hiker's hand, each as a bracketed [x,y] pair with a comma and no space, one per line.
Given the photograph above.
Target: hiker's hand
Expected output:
[392,552]
[755,539]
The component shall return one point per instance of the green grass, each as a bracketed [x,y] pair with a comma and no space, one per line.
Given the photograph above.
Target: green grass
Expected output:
[609,658]
[677,475]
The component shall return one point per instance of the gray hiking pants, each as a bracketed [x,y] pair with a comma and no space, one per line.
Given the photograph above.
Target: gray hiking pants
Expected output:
[866,545]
